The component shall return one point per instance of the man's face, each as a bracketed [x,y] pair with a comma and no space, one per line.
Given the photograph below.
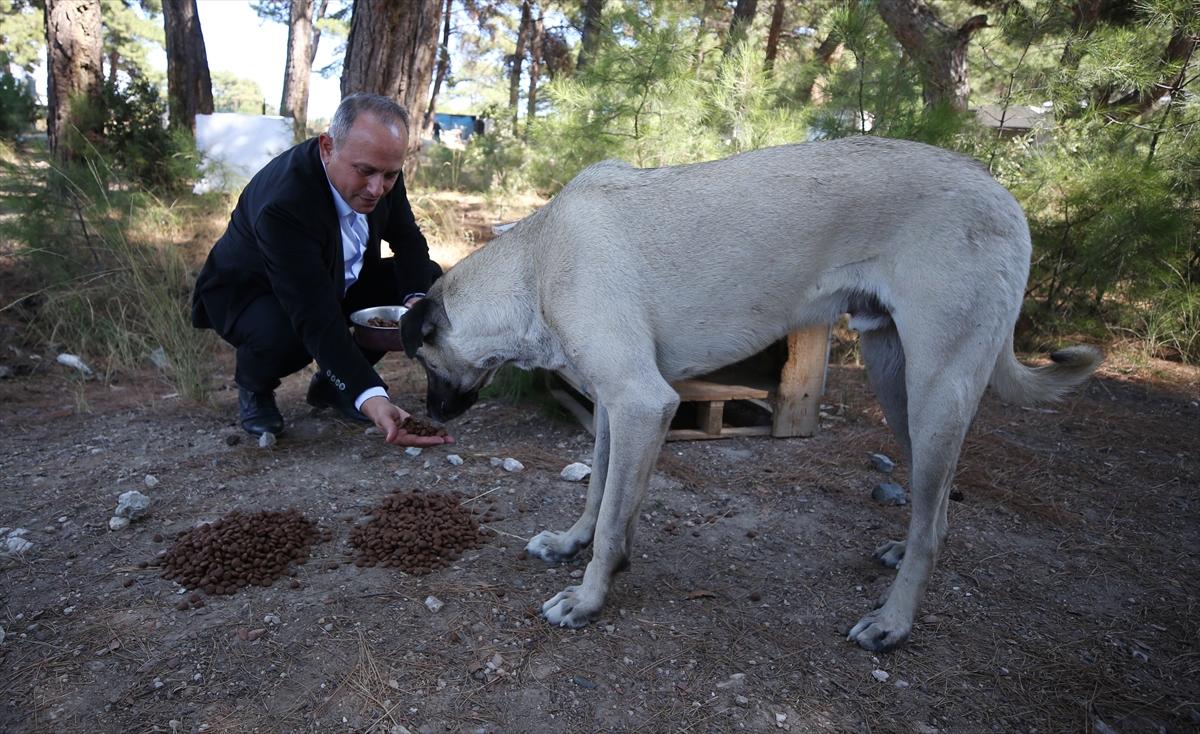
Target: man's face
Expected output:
[367,164]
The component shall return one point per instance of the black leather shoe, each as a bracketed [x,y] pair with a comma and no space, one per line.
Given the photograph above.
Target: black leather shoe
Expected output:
[259,413]
[323,394]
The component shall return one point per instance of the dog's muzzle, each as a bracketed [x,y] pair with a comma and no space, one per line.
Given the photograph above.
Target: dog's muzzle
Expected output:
[444,403]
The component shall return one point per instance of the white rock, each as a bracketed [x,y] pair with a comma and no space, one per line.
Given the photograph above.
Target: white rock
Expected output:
[880,675]
[70,360]
[151,481]
[494,461]
[576,472]
[16,544]
[271,619]
[118,523]
[511,464]
[434,604]
[780,718]
[267,440]
[737,680]
[1,635]
[133,505]
[412,451]
[455,459]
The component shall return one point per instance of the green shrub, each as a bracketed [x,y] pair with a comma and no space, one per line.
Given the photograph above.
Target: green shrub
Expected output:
[139,143]
[18,105]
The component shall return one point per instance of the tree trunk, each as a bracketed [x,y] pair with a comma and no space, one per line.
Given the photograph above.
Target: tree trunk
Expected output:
[743,17]
[390,52]
[74,78]
[592,10]
[298,68]
[939,50]
[189,87]
[773,36]
[535,68]
[518,58]
[443,67]
[1176,59]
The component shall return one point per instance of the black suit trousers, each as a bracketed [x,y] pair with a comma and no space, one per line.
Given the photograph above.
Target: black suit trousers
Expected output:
[268,347]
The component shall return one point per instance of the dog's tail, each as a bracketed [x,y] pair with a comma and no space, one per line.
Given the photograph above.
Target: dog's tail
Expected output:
[1023,385]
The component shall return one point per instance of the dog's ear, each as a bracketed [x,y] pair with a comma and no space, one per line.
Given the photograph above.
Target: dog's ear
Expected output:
[416,325]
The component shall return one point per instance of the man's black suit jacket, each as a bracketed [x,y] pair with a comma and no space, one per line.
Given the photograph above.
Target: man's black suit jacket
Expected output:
[284,238]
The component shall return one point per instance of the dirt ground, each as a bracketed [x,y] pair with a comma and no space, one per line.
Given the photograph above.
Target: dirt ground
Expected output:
[1065,600]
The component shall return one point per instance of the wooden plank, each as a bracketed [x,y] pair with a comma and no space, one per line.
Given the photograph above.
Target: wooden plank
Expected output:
[709,415]
[691,434]
[582,414]
[801,383]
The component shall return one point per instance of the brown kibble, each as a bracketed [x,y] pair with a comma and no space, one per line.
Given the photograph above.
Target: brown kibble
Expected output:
[158,538]
[294,584]
[127,583]
[143,564]
[755,596]
[194,598]
[751,534]
[182,606]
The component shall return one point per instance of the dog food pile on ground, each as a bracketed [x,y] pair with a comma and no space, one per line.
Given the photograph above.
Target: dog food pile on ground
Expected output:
[381,322]
[239,550]
[418,533]
[421,428]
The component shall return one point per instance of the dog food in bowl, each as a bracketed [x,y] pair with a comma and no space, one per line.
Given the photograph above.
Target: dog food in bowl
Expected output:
[379,328]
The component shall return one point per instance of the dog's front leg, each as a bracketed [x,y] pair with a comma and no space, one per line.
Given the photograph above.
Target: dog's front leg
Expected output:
[637,427]
[555,546]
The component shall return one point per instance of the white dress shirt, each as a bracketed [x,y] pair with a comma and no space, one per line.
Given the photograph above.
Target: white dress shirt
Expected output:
[354,246]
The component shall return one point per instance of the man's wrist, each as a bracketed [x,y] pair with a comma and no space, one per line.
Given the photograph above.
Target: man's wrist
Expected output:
[371,392]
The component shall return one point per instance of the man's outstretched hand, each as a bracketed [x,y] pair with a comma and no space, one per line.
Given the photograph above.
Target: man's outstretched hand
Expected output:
[388,419]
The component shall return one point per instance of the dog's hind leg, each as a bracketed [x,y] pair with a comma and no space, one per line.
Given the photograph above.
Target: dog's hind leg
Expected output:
[884,356]
[555,546]
[638,417]
[944,385]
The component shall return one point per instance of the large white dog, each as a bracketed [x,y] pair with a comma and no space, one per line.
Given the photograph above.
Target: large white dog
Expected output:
[636,277]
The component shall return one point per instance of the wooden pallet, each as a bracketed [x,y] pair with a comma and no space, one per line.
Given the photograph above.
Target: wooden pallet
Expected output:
[793,396]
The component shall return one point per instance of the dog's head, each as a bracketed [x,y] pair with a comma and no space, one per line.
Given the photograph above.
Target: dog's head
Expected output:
[454,372]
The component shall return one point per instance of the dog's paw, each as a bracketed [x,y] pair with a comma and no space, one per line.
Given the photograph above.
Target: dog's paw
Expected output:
[890,553]
[569,608]
[554,547]
[879,631]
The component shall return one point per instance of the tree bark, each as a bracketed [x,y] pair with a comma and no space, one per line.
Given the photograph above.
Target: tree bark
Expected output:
[535,68]
[443,67]
[391,51]
[592,10]
[298,68]
[189,87]
[939,50]
[518,59]
[773,36]
[739,26]
[74,77]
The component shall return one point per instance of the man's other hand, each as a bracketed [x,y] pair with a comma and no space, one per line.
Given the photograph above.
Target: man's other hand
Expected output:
[388,419]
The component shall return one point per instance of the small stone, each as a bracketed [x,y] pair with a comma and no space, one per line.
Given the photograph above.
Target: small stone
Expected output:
[253,635]
[901,684]
[151,481]
[511,464]
[736,681]
[118,523]
[271,619]
[576,472]
[134,505]
[882,463]
[233,439]
[266,440]
[434,604]
[880,675]
[412,451]
[455,459]
[579,680]
[780,718]
[494,461]
[931,619]
[889,494]
[372,431]
[741,701]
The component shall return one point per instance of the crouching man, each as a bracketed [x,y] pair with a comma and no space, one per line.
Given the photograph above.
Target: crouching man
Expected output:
[302,252]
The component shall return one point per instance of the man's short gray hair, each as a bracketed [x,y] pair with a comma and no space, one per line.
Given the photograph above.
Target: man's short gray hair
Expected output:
[384,109]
